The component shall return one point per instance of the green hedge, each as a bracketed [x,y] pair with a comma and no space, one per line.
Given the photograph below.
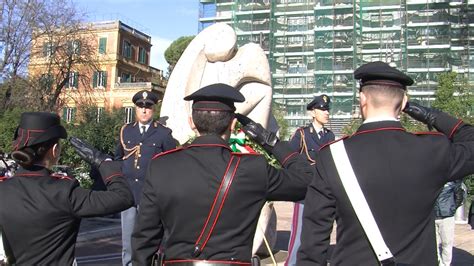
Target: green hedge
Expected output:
[102,134]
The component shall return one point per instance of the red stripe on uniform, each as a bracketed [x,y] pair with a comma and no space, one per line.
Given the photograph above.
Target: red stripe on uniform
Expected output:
[209,145]
[454,129]
[209,261]
[294,229]
[222,204]
[166,152]
[288,157]
[113,175]
[429,133]
[212,208]
[331,142]
[378,129]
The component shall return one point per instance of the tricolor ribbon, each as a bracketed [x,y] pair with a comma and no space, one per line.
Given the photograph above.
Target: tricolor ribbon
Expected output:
[237,141]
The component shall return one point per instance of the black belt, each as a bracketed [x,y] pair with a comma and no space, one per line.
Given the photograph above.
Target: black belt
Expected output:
[204,263]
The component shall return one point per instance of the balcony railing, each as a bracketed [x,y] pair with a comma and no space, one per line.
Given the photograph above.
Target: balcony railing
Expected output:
[128,85]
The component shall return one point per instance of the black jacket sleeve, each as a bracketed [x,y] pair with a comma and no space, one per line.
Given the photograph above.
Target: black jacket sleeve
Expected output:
[461,156]
[148,232]
[318,219]
[117,197]
[291,182]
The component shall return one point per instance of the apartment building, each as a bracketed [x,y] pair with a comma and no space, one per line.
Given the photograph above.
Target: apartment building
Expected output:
[313,46]
[117,66]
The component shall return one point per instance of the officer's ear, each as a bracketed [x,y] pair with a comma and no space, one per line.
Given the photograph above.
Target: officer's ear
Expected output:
[233,124]
[192,125]
[56,150]
[363,98]
[404,101]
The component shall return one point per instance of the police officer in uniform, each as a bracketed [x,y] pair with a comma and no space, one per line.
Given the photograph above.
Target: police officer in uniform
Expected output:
[40,212]
[139,142]
[308,140]
[400,175]
[206,199]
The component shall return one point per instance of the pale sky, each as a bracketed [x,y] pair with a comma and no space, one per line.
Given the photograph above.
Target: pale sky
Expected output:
[163,20]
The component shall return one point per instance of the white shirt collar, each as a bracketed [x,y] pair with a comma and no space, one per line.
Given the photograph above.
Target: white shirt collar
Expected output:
[317,128]
[379,118]
[144,125]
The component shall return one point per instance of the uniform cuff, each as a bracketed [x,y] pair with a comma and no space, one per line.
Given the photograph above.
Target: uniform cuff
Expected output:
[447,124]
[283,151]
[110,169]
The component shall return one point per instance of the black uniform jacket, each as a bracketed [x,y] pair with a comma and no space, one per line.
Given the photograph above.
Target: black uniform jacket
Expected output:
[400,174]
[311,139]
[180,188]
[40,214]
[156,139]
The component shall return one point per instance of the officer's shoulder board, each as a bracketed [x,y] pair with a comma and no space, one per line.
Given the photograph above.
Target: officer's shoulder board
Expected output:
[61,177]
[158,124]
[334,141]
[167,152]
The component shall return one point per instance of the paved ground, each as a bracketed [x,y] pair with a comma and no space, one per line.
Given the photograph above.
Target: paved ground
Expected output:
[463,252]
[99,242]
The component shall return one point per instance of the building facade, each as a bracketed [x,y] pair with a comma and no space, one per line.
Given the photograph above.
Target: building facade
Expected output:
[313,46]
[118,66]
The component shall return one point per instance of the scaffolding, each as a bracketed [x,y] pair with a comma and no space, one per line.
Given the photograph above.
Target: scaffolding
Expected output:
[313,46]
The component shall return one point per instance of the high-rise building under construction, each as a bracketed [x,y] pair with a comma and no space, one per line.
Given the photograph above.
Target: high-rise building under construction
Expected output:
[313,46]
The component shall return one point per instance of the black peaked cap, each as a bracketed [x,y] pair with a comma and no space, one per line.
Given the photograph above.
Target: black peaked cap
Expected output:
[376,72]
[145,97]
[320,102]
[215,97]
[37,127]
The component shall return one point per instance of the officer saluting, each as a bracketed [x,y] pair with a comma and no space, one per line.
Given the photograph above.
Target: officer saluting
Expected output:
[400,175]
[139,142]
[308,140]
[40,212]
[206,199]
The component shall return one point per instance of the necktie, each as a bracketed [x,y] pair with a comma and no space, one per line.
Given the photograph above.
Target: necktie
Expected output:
[143,130]
[321,134]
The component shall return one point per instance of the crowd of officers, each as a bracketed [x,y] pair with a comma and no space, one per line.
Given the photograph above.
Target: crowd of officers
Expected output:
[199,204]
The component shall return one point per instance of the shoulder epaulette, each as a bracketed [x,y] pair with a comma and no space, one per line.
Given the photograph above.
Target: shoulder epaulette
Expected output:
[167,152]
[60,176]
[334,141]
[159,124]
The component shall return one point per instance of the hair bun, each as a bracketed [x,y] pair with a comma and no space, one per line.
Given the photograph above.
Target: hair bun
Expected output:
[23,158]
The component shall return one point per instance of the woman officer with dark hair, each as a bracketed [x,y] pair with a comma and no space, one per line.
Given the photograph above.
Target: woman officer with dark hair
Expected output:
[40,212]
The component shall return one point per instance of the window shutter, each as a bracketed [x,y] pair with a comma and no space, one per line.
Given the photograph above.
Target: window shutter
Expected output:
[94,79]
[66,85]
[104,77]
[102,45]
[75,78]
[78,48]
[73,114]
[64,113]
